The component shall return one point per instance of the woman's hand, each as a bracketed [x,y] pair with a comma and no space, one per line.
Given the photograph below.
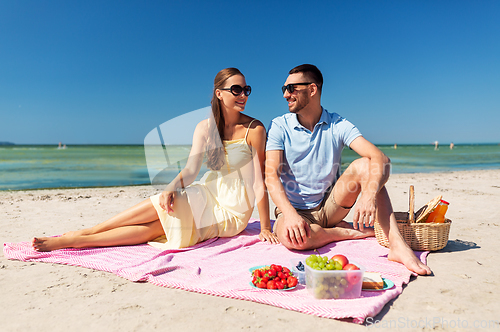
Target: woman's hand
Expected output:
[167,200]
[269,236]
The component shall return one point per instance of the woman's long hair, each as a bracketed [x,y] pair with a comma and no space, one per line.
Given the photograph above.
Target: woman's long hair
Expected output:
[215,148]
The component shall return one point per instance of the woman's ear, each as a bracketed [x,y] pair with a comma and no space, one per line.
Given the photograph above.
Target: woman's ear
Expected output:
[218,94]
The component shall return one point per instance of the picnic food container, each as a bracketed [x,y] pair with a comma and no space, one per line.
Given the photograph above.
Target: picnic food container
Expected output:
[418,234]
[335,284]
[438,215]
[301,275]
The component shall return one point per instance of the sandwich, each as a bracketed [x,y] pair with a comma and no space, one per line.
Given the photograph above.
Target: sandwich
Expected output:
[372,280]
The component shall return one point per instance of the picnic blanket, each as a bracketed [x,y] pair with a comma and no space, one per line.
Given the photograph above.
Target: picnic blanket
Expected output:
[221,267]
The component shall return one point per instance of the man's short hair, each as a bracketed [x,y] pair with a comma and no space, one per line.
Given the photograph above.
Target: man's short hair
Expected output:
[311,72]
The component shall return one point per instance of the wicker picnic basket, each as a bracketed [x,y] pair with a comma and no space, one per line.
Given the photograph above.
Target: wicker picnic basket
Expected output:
[418,234]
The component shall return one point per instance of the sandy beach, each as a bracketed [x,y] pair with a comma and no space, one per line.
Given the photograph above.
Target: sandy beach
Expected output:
[460,295]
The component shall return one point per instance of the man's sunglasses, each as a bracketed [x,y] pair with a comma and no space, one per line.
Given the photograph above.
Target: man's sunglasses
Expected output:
[291,87]
[237,90]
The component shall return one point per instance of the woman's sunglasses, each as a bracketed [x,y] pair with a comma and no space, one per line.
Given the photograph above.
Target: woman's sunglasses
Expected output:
[238,89]
[291,87]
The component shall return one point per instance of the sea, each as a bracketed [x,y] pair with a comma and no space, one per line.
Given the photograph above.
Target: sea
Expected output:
[25,167]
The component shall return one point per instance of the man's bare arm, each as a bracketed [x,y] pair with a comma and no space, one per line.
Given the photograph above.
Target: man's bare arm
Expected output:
[296,229]
[379,171]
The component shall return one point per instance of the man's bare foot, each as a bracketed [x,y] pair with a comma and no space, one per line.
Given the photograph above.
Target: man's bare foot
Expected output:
[367,232]
[356,233]
[50,243]
[404,255]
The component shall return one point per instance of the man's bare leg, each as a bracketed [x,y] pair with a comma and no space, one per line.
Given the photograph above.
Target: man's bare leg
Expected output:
[347,189]
[345,192]
[322,236]
[399,251]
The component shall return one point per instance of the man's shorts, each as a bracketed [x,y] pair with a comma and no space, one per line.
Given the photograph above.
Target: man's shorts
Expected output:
[327,214]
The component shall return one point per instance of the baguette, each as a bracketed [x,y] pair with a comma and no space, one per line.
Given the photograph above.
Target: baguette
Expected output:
[372,280]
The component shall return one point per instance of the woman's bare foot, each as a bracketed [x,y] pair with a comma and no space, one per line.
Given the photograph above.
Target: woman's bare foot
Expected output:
[401,253]
[50,243]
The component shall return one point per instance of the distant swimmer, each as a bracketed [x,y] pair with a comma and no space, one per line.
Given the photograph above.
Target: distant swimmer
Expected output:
[436,145]
[452,146]
[395,146]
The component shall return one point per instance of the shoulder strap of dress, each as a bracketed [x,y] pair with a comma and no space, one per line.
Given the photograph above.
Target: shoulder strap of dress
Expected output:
[248,129]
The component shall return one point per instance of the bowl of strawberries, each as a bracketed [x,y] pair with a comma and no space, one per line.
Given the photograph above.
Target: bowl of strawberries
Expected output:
[274,277]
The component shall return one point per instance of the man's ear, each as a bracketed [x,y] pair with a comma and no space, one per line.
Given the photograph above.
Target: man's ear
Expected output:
[314,89]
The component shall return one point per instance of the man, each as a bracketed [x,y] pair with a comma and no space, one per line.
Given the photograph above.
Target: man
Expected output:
[303,175]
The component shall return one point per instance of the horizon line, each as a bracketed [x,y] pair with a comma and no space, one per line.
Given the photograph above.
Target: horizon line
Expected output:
[5,144]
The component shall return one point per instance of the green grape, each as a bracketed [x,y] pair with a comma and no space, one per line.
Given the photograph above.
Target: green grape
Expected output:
[321,264]
[325,259]
[330,266]
[315,266]
[309,261]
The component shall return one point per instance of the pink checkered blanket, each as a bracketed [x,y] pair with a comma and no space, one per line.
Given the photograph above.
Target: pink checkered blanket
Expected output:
[221,267]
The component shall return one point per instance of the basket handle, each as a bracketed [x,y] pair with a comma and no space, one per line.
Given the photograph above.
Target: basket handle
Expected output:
[411,212]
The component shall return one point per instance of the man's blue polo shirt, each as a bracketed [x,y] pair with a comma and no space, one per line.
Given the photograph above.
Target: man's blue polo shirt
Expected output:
[311,159]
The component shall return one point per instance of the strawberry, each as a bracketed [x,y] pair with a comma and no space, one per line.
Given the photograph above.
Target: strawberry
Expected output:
[292,281]
[271,284]
[280,285]
[261,284]
[255,280]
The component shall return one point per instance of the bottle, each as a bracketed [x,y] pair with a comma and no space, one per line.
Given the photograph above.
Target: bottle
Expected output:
[437,215]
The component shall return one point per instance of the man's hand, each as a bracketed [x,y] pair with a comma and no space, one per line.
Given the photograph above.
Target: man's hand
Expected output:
[296,229]
[365,211]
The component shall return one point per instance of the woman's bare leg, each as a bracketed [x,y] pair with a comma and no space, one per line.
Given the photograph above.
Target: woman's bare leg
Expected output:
[141,213]
[119,236]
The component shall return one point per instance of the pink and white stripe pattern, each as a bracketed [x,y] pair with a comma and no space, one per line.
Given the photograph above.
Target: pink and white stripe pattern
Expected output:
[220,267]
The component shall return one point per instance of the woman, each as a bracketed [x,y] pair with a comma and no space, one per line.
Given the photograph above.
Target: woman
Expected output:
[219,205]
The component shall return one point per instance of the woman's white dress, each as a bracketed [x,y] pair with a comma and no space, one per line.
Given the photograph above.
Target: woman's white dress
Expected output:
[219,205]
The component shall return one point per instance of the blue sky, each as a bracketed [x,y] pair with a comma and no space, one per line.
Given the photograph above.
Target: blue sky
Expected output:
[108,72]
